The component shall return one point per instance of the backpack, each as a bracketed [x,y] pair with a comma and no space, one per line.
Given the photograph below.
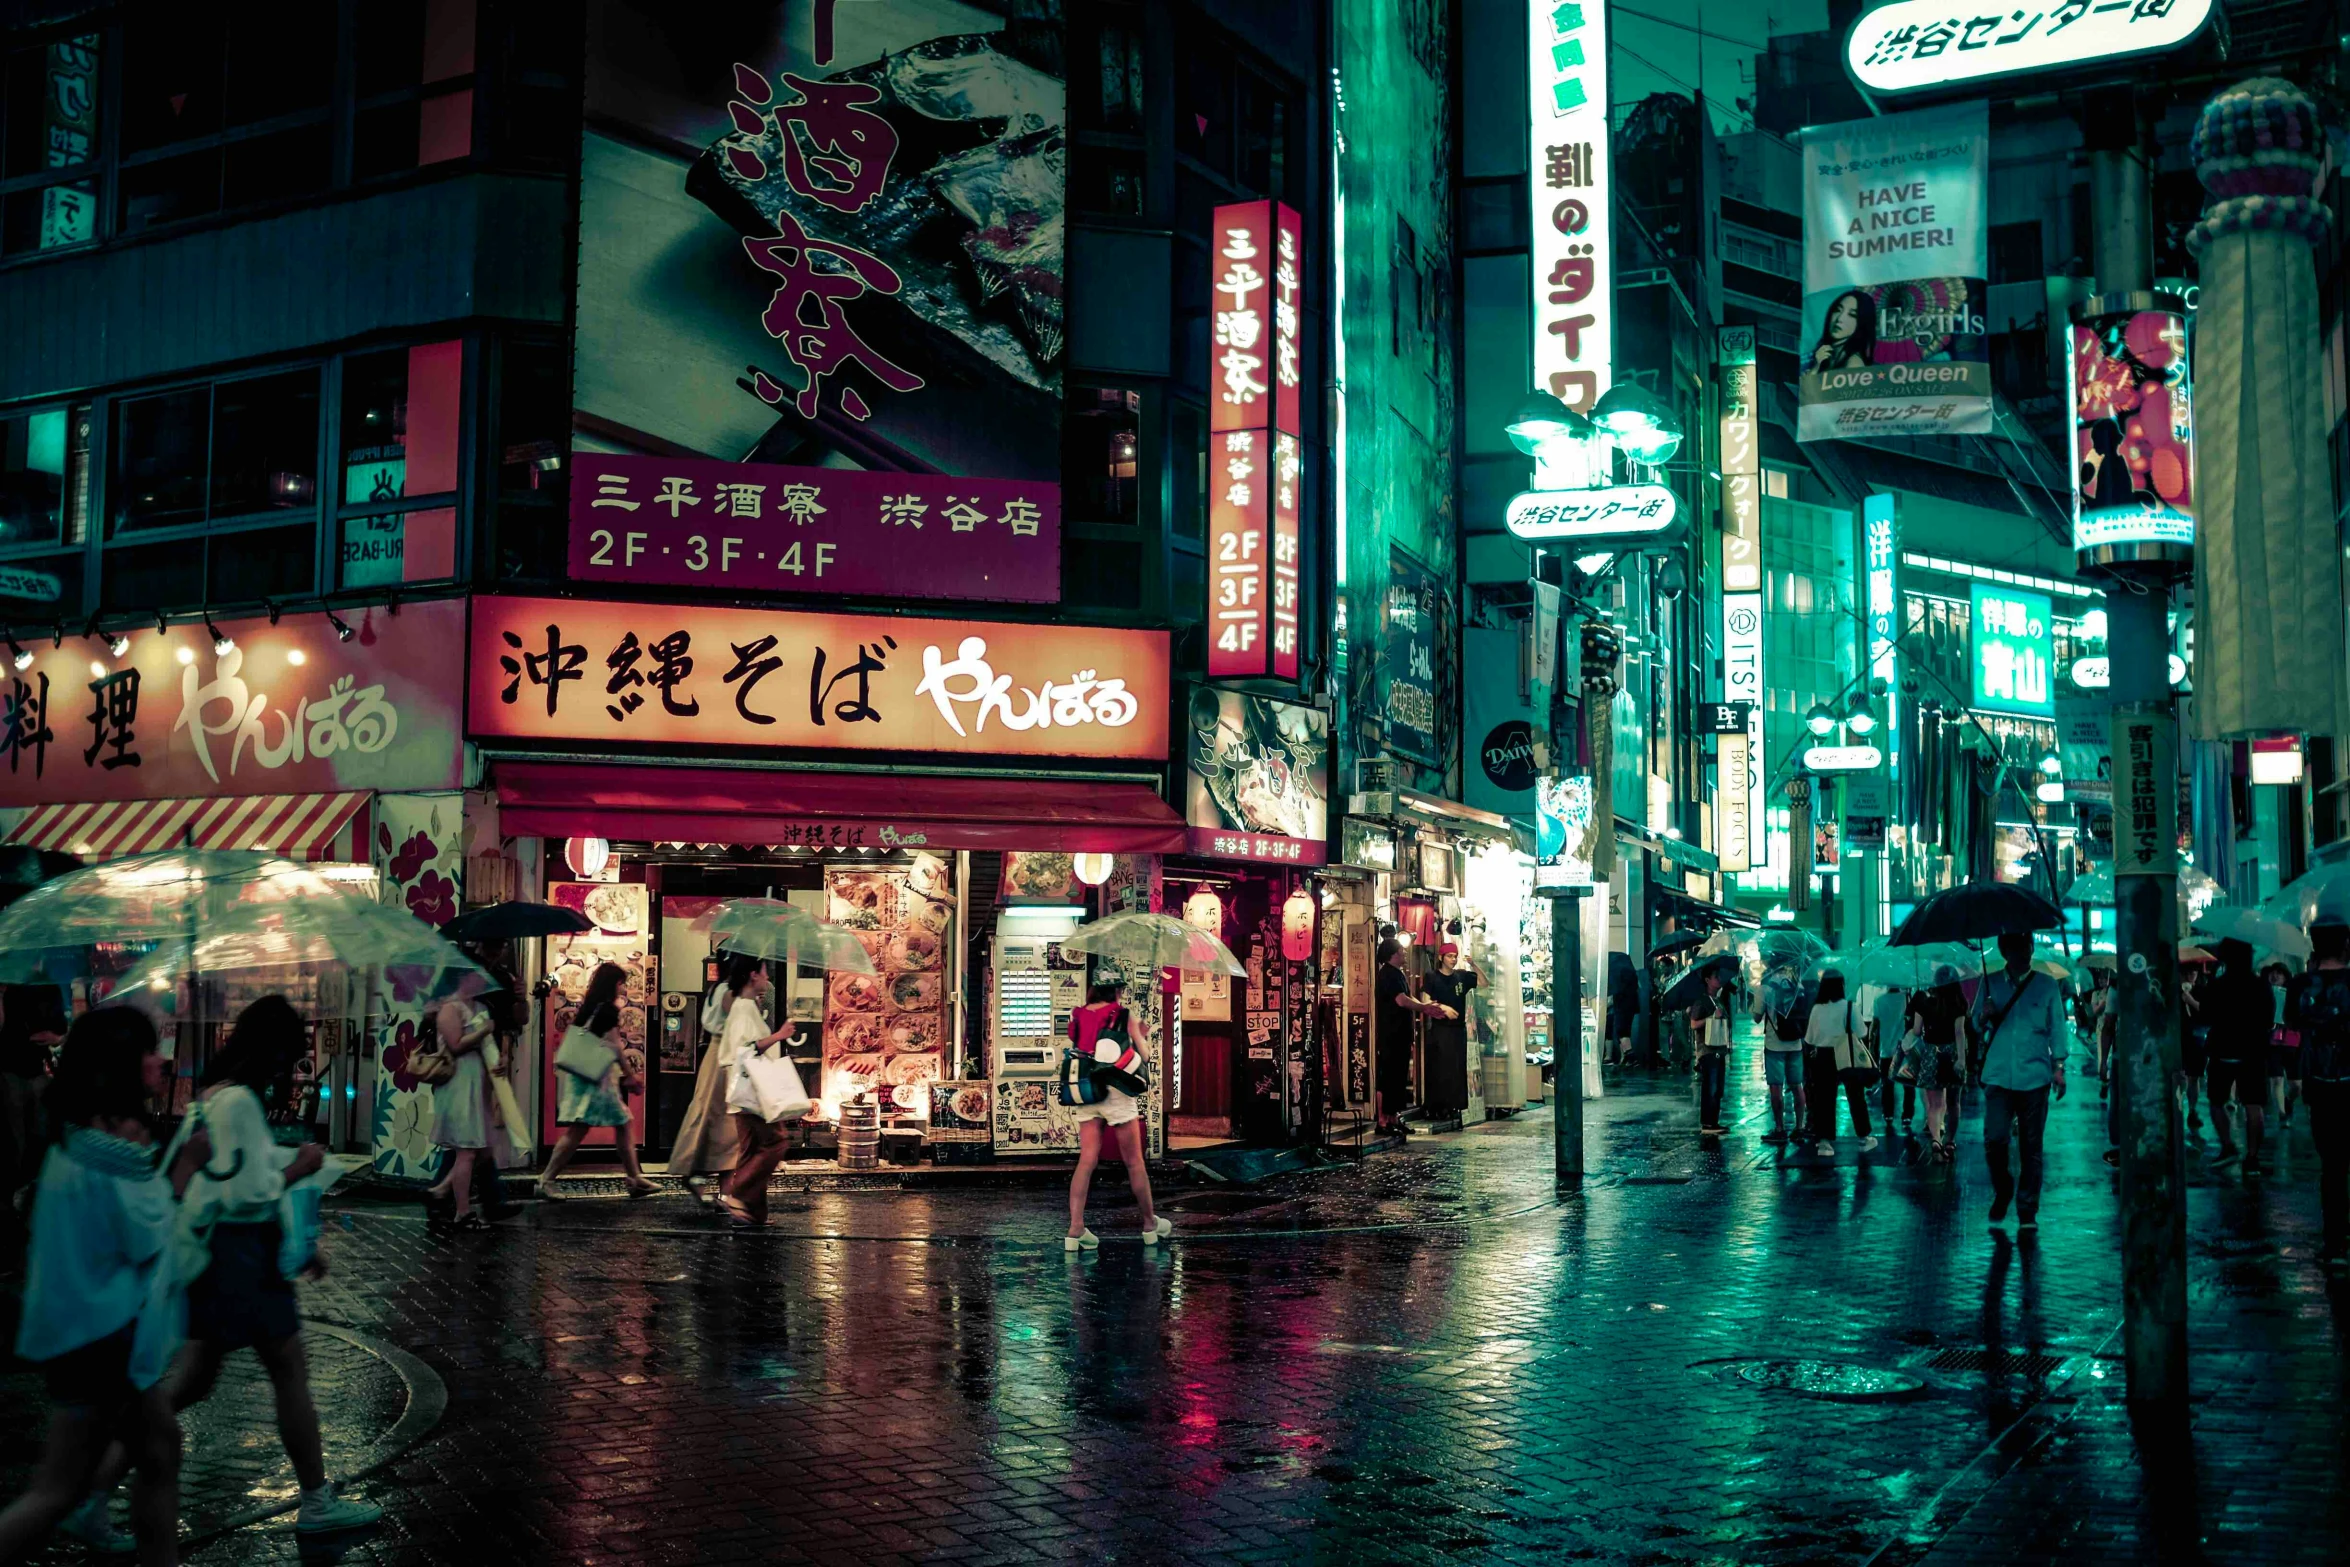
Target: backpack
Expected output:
[2321,1013]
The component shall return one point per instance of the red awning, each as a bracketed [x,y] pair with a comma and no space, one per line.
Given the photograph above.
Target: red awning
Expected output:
[828,810]
[297,826]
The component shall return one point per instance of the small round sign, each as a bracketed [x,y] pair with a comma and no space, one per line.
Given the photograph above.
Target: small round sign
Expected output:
[1508,754]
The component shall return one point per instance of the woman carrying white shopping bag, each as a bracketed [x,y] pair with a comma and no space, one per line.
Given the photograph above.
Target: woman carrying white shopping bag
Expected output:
[591,1084]
[765,1095]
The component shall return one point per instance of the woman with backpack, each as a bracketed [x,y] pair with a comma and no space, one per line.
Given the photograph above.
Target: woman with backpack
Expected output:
[243,1299]
[1786,1015]
[1828,1060]
[582,1103]
[96,1314]
[1119,1113]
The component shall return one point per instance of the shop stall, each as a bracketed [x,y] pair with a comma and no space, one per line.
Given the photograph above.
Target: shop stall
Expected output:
[933,785]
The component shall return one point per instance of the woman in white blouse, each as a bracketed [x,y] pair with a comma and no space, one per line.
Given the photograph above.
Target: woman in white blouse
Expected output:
[243,1298]
[706,1143]
[1827,1054]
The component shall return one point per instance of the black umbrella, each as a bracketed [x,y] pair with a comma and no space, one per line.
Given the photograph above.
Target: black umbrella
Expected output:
[1681,942]
[1977,910]
[514,921]
[1689,989]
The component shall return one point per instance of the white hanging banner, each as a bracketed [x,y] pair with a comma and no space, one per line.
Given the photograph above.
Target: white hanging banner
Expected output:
[1894,267]
[1574,278]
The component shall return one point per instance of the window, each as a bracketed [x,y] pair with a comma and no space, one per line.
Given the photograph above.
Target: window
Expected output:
[399,447]
[49,144]
[1106,110]
[224,106]
[1100,457]
[218,453]
[32,479]
[413,64]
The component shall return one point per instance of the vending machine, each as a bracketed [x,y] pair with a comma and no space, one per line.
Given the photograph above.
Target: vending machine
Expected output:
[1033,987]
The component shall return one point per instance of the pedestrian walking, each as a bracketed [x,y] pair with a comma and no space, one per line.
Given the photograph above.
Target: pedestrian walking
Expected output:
[2194,1039]
[583,1103]
[742,1195]
[1397,1007]
[705,1145]
[1711,1019]
[243,1299]
[2019,1016]
[2284,1050]
[100,1304]
[1937,1035]
[1444,1053]
[2318,1009]
[461,1112]
[1116,1117]
[2098,1003]
[1786,1016]
[1888,1022]
[1829,1061]
[1623,1006]
[2241,1023]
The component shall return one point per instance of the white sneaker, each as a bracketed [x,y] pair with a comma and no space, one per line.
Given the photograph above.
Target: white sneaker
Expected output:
[1085,1242]
[1867,1143]
[90,1524]
[1160,1229]
[1826,1150]
[322,1509]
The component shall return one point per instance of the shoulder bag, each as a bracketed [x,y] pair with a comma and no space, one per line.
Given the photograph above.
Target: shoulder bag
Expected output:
[1859,1057]
[1980,1040]
[584,1055]
[1118,1060]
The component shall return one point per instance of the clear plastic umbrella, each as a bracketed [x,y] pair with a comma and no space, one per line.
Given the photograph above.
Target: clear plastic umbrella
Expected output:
[2196,890]
[2270,931]
[2324,891]
[1138,940]
[776,931]
[1916,968]
[214,910]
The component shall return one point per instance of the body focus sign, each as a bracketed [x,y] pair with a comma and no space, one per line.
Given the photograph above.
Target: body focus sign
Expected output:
[653,674]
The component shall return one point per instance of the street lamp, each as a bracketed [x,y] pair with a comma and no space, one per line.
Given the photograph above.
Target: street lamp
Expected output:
[1542,417]
[1820,720]
[1861,718]
[1640,422]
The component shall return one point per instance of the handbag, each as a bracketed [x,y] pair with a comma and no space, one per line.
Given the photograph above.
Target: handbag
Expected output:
[1080,1085]
[767,1085]
[430,1062]
[584,1055]
[1860,1057]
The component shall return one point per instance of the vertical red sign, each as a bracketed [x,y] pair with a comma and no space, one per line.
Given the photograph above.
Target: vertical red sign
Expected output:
[1254,462]
[1240,487]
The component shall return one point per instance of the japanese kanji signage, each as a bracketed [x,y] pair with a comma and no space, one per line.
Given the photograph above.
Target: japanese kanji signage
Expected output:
[1256,266]
[763,528]
[1416,600]
[1742,683]
[2145,794]
[286,709]
[1912,45]
[1894,267]
[1881,547]
[817,243]
[2015,651]
[1574,282]
[1741,463]
[668,675]
[1617,510]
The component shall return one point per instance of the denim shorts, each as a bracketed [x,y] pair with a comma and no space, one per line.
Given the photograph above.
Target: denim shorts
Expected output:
[1783,1068]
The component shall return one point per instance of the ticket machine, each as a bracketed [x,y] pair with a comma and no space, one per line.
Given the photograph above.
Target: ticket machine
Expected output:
[1033,987]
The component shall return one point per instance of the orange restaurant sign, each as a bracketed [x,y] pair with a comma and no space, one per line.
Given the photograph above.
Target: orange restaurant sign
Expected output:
[290,708]
[660,674]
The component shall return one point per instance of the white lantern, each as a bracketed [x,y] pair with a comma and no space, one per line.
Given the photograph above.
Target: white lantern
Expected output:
[587,857]
[1297,926]
[1205,910]
[1094,869]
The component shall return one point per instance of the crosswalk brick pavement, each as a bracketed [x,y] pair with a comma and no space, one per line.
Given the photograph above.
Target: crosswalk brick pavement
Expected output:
[1723,1352]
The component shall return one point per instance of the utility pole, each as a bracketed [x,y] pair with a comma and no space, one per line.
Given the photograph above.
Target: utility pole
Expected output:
[2145,743]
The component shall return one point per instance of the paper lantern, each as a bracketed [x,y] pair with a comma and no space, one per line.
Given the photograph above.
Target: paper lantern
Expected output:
[1093,869]
[587,857]
[1297,926]
[1205,910]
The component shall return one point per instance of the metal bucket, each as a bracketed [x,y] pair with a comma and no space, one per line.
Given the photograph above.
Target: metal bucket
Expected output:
[860,1134]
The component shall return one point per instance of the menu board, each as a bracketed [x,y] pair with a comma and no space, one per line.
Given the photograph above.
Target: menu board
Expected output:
[885,1032]
[622,913]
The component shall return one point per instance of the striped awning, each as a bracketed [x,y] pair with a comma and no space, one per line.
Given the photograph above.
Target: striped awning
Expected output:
[297,826]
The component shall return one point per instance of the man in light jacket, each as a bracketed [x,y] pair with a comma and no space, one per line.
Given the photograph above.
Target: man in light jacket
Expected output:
[2019,1016]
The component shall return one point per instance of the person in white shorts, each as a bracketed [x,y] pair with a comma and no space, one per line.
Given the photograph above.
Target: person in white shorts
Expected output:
[1120,1114]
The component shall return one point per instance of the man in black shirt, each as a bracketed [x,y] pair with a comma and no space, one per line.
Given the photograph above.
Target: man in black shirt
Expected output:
[1395,1009]
[1445,1072]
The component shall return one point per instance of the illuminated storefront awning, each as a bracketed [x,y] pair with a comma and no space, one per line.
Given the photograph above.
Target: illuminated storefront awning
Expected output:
[830,810]
[296,826]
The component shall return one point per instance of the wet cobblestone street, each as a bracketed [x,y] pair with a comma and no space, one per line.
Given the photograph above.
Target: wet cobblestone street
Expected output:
[1426,1358]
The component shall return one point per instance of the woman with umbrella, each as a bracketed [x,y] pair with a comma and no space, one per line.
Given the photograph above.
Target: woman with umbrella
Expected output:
[705,1145]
